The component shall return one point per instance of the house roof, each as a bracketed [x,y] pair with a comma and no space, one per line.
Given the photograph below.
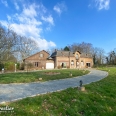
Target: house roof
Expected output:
[85,55]
[35,54]
[50,58]
[69,53]
[62,53]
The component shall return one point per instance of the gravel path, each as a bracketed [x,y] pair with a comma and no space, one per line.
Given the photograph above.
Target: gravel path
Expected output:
[12,92]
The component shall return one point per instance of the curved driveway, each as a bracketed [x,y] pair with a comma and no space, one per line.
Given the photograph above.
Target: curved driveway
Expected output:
[12,92]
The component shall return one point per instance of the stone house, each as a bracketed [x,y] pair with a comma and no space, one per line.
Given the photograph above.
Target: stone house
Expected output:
[59,59]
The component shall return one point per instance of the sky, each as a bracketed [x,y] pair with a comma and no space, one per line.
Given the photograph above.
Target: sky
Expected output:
[58,23]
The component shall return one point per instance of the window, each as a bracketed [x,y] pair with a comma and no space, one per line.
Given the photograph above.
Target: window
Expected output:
[36,64]
[77,56]
[41,55]
[77,63]
[72,62]
[63,64]
[82,63]
[88,64]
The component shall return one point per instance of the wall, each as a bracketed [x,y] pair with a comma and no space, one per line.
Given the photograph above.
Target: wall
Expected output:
[86,60]
[37,61]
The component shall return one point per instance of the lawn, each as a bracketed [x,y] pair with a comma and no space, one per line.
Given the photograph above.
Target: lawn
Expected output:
[99,99]
[46,75]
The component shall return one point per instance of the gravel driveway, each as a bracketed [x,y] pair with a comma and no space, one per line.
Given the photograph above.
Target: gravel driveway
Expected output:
[12,92]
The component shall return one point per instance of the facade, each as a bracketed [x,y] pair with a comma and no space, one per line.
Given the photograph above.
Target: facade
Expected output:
[67,59]
[59,59]
[38,61]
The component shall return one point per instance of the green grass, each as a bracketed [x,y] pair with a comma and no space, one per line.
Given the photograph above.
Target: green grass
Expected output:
[27,77]
[99,99]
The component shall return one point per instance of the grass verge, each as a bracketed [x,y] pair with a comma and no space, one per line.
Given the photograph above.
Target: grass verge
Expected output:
[27,77]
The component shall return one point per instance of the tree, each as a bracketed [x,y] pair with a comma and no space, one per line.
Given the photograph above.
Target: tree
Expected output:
[14,47]
[112,57]
[6,44]
[66,49]
[94,54]
[25,47]
[82,47]
[98,55]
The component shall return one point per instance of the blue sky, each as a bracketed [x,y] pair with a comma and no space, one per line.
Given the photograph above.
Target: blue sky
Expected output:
[57,23]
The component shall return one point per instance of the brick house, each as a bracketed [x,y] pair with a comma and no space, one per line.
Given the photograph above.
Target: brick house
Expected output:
[40,60]
[59,59]
[67,59]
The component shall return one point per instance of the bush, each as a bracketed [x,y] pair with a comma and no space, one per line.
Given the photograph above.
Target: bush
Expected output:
[59,67]
[22,66]
[18,66]
[68,67]
[9,66]
[1,66]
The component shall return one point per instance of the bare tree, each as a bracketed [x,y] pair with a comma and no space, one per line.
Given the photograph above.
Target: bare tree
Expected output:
[28,47]
[112,57]
[14,47]
[98,55]
[6,44]
[82,47]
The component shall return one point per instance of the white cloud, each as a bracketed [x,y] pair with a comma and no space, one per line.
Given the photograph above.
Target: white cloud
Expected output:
[8,17]
[44,44]
[102,4]
[29,23]
[16,5]
[48,19]
[30,11]
[57,9]
[4,2]
[60,7]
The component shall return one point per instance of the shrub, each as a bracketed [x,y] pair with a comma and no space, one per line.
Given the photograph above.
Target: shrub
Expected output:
[22,66]
[9,66]
[1,66]
[18,65]
[59,67]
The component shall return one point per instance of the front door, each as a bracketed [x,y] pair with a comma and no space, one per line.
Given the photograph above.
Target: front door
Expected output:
[77,64]
[88,64]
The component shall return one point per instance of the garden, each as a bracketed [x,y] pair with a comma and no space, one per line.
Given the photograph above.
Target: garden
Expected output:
[99,99]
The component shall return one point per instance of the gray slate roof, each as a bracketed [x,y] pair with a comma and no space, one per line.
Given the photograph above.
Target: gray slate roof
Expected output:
[62,53]
[86,55]
[59,53]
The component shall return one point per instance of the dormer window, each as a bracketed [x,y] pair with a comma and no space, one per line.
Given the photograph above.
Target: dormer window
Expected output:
[41,55]
[77,56]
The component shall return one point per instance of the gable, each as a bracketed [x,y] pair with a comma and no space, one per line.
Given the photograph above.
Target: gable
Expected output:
[77,54]
[40,55]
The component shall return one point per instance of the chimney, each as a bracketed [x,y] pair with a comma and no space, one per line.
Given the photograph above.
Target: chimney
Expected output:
[55,50]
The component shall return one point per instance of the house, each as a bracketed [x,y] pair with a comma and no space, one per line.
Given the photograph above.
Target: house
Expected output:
[39,60]
[59,59]
[67,59]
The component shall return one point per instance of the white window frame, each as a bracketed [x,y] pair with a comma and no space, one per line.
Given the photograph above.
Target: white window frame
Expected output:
[41,55]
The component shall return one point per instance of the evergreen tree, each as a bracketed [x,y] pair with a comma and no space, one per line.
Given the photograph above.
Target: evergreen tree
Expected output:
[66,49]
